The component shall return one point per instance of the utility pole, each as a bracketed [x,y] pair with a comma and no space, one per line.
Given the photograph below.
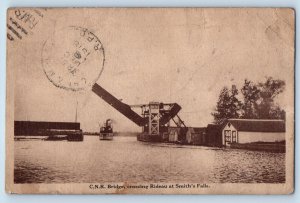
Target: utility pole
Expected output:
[76,112]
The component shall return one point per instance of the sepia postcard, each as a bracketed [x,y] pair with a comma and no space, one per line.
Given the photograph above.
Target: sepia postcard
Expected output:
[150,100]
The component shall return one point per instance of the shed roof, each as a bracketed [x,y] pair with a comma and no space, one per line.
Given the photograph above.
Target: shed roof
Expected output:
[213,128]
[258,125]
[199,130]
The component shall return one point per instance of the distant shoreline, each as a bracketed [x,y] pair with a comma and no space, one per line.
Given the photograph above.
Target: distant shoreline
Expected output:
[122,134]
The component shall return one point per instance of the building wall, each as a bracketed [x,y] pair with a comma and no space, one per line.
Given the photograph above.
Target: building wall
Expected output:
[198,139]
[195,137]
[213,136]
[173,134]
[189,138]
[39,127]
[247,137]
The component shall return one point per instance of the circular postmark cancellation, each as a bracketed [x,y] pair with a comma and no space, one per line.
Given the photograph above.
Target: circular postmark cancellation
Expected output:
[73,58]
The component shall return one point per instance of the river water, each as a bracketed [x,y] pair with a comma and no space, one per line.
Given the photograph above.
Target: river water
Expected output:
[126,159]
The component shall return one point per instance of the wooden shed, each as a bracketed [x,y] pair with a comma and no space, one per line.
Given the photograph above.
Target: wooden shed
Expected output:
[213,135]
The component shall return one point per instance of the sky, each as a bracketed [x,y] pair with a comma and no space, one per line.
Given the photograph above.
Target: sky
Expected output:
[183,56]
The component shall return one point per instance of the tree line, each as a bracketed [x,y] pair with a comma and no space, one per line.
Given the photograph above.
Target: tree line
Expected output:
[257,101]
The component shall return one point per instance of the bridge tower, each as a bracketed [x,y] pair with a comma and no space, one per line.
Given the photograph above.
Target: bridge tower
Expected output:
[154,116]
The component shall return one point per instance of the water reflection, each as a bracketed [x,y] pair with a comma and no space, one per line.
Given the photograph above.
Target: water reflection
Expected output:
[126,159]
